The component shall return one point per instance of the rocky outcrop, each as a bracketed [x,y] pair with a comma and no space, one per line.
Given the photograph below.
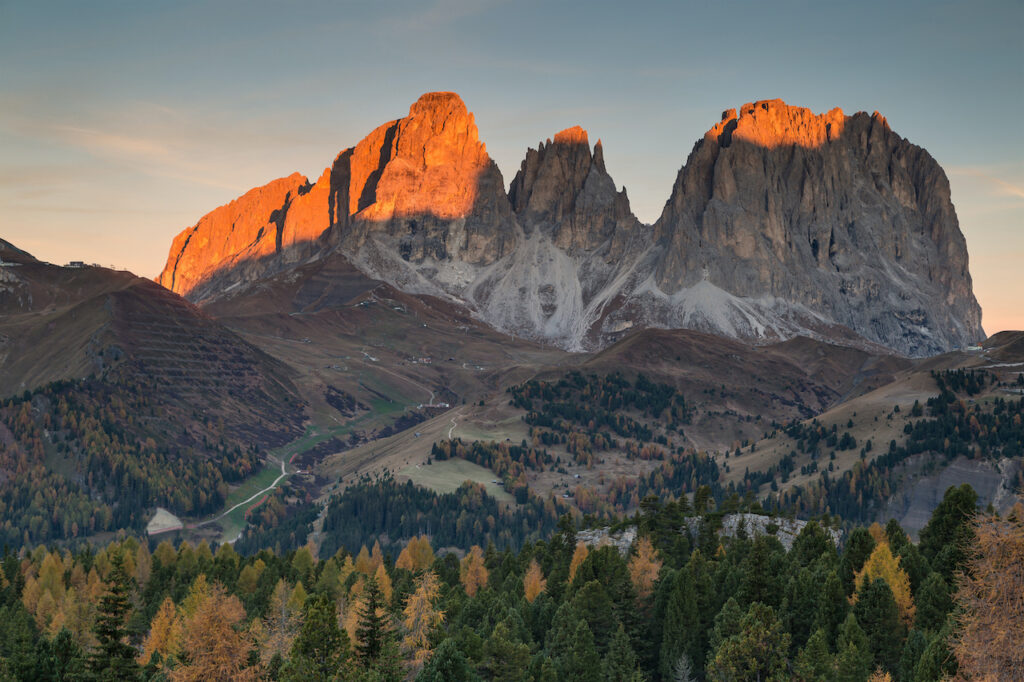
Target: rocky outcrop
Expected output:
[786,531]
[781,223]
[836,215]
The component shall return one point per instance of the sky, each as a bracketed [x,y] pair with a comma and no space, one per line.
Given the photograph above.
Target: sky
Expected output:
[122,123]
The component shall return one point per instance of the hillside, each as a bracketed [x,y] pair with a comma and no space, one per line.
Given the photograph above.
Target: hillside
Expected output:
[120,396]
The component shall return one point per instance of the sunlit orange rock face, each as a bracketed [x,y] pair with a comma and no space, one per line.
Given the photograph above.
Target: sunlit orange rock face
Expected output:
[424,184]
[248,228]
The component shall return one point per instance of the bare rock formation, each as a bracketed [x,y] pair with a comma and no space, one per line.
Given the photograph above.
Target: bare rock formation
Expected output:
[836,215]
[563,189]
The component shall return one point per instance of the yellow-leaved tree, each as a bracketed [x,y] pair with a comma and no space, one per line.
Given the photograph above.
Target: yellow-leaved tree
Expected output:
[416,556]
[421,616]
[164,636]
[534,581]
[644,567]
[214,643]
[353,606]
[384,583]
[472,572]
[578,558]
[284,618]
[882,564]
[990,594]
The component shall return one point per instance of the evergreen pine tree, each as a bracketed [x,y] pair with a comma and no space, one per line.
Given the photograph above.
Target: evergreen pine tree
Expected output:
[853,652]
[581,663]
[114,658]
[372,631]
[321,647]
[759,652]
[878,615]
[945,538]
[595,607]
[505,657]
[937,661]
[620,663]
[681,622]
[801,605]
[815,663]
[859,546]
[832,607]
[933,603]
[447,664]
[912,650]
[727,623]
[761,581]
[69,661]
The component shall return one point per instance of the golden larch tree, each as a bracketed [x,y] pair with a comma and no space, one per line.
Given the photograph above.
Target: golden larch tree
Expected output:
[420,617]
[363,562]
[644,567]
[882,564]
[534,581]
[578,557]
[416,556]
[249,578]
[164,636]
[353,607]
[281,625]
[215,644]
[472,572]
[990,595]
[384,583]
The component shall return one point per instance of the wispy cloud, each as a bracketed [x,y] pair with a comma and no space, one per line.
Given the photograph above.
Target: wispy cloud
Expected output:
[997,185]
[202,148]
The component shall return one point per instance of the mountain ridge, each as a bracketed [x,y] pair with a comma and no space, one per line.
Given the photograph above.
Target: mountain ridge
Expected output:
[771,230]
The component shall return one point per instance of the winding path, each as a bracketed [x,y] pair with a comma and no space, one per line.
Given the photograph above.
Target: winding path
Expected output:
[273,485]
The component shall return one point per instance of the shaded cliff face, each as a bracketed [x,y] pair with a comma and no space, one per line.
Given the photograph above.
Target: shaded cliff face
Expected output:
[423,186]
[834,213]
[564,190]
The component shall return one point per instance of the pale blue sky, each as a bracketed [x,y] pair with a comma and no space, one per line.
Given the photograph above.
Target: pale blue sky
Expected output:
[121,123]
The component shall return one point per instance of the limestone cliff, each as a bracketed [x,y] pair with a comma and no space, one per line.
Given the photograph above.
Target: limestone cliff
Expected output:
[835,214]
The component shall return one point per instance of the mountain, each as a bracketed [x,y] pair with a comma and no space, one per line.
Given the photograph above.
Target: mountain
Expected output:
[781,223]
[117,395]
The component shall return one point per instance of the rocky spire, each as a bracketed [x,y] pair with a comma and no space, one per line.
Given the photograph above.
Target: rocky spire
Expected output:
[563,189]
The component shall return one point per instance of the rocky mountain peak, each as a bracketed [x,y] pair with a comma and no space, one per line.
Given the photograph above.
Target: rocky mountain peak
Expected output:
[773,123]
[573,135]
[563,190]
[836,214]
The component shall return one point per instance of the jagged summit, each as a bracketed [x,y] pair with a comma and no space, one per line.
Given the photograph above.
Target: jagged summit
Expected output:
[782,222]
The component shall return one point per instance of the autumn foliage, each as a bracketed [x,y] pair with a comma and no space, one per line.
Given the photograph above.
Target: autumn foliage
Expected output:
[533,582]
[644,567]
[417,555]
[421,616]
[472,572]
[882,564]
[214,640]
[578,557]
[990,594]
